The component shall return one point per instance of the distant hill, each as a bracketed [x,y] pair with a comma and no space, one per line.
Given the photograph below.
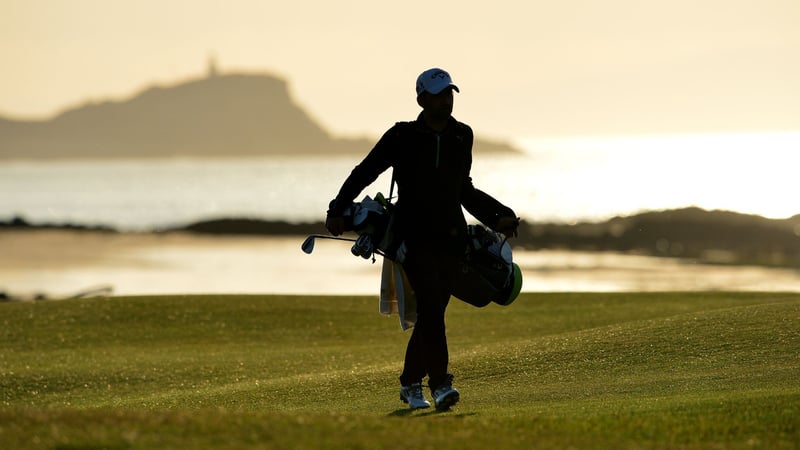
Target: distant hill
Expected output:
[722,237]
[215,116]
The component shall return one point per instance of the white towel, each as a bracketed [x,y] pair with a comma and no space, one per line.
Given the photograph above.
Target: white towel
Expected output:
[397,296]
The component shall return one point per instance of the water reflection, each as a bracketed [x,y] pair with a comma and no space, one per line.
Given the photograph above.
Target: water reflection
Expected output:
[185,264]
[607,272]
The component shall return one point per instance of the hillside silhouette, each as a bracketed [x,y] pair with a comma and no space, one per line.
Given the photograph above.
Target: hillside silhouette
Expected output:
[720,237]
[214,116]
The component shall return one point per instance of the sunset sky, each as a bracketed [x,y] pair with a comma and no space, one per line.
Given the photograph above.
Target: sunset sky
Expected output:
[525,68]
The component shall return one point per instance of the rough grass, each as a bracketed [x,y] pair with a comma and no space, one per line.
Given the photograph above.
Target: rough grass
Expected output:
[638,371]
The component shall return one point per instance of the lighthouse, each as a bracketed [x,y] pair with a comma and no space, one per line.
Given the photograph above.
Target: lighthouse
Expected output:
[212,67]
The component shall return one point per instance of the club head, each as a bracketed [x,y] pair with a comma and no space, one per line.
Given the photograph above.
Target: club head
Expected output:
[308,245]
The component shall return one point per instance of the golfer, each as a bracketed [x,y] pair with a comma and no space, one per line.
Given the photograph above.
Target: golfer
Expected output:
[431,158]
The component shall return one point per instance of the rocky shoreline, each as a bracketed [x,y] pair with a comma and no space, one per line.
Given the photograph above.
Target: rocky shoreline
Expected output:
[716,237]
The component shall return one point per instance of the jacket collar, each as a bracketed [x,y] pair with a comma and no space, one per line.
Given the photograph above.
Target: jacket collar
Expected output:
[451,123]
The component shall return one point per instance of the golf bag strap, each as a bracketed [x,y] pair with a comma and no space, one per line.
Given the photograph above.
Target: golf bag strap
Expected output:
[391,187]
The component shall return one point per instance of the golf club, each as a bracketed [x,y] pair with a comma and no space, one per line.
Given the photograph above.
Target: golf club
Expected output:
[308,244]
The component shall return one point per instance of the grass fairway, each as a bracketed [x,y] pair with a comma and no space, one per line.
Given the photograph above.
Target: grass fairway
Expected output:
[639,371]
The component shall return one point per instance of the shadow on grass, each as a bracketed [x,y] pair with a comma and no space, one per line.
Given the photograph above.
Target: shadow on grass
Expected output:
[408,412]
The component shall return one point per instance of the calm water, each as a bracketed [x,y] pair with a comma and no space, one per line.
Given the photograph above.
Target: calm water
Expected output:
[205,265]
[563,180]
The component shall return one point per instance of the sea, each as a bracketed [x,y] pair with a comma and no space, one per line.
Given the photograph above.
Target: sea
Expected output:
[555,180]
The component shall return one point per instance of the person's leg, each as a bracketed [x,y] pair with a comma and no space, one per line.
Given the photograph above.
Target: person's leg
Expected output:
[430,275]
[426,353]
[414,365]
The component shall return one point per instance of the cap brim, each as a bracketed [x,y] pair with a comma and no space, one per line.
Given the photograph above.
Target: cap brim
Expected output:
[455,88]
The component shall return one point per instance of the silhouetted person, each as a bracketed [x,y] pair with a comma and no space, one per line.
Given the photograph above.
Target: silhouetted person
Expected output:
[431,158]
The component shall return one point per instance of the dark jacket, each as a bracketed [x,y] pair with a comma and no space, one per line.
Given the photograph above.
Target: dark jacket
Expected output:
[432,171]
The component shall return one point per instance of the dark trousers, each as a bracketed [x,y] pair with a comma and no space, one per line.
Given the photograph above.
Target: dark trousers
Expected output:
[431,274]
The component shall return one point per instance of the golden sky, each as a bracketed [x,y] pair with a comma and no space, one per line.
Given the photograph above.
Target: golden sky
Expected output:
[525,68]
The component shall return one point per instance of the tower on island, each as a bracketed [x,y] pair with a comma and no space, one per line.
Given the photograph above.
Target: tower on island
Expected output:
[213,71]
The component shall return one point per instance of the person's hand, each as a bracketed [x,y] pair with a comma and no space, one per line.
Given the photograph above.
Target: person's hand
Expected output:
[335,225]
[508,225]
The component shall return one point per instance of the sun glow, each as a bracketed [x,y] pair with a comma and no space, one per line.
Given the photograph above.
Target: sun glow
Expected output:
[744,172]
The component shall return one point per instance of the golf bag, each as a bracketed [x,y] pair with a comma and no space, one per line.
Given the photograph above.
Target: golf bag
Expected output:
[487,273]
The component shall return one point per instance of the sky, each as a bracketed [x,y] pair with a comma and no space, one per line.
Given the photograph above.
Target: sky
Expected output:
[526,68]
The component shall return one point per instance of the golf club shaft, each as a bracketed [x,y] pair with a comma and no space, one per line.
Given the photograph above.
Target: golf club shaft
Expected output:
[324,236]
[308,244]
[336,238]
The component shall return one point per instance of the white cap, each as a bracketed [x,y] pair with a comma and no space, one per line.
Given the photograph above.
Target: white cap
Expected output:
[434,81]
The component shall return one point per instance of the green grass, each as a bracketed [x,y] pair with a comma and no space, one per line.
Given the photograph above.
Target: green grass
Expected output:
[638,371]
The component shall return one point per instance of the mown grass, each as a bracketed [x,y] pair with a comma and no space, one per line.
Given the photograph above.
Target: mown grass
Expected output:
[638,371]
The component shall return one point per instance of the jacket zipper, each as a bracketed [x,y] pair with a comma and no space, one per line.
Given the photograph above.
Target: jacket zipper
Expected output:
[438,147]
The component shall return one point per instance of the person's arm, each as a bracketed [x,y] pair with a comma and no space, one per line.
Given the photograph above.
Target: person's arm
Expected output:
[483,206]
[491,212]
[367,171]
